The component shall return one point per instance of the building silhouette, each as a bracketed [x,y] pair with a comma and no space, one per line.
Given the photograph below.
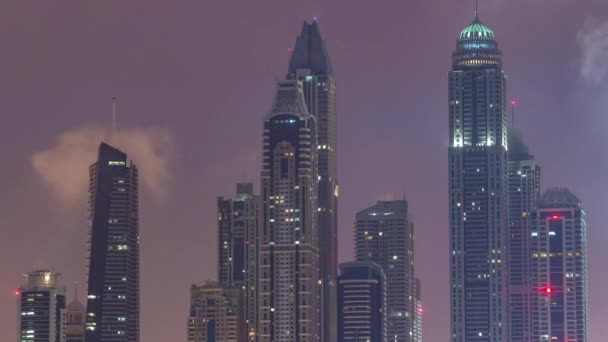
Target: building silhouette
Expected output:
[384,234]
[238,223]
[310,63]
[524,192]
[558,268]
[113,284]
[73,319]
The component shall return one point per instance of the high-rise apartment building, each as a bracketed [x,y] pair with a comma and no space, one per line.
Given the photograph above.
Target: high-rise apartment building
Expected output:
[113,286]
[362,311]
[73,319]
[558,268]
[238,222]
[215,314]
[39,304]
[478,183]
[288,269]
[524,192]
[384,234]
[310,63]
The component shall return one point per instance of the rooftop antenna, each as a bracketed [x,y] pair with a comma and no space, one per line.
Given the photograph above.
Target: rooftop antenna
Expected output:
[76,290]
[513,104]
[476,8]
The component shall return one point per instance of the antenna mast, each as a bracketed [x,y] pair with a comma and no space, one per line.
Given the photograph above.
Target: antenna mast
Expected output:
[114,103]
[513,104]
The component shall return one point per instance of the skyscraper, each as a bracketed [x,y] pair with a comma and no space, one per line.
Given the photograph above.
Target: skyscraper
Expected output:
[384,234]
[478,188]
[524,192]
[73,318]
[362,312]
[215,314]
[288,270]
[39,305]
[113,293]
[558,268]
[238,220]
[311,65]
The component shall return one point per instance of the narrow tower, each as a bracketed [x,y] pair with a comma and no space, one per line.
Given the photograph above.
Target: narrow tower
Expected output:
[113,292]
[311,65]
[238,222]
[558,268]
[478,188]
[288,268]
[524,192]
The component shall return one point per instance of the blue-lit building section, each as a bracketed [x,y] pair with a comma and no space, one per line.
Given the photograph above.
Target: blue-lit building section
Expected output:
[558,268]
[362,303]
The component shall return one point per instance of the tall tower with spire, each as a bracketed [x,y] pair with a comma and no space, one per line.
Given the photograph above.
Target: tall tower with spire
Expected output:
[478,192]
[310,63]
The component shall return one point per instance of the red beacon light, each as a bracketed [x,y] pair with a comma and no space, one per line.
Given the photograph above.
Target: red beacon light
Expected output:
[549,290]
[17,292]
[555,217]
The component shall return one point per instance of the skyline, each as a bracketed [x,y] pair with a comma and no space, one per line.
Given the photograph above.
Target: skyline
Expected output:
[358,193]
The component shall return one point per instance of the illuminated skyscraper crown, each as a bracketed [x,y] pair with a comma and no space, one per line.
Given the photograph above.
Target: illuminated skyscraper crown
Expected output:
[476,46]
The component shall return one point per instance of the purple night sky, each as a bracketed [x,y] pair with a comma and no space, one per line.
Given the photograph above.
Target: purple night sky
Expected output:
[195,79]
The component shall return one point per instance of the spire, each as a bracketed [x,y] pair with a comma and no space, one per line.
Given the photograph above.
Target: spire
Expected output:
[114,99]
[476,9]
[310,51]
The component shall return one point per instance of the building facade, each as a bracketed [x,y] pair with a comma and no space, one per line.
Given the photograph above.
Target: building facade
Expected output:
[113,285]
[418,311]
[384,234]
[524,192]
[73,319]
[238,223]
[40,302]
[558,268]
[310,63]
[216,314]
[478,188]
[362,305]
[288,268]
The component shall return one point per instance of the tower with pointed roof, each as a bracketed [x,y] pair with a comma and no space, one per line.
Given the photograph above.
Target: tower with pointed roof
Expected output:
[478,183]
[310,63]
[288,242]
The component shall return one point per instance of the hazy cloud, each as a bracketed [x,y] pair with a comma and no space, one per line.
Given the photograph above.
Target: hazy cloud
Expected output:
[63,167]
[593,41]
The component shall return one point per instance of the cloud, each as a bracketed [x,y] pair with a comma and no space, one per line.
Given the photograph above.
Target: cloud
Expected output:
[593,41]
[64,166]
